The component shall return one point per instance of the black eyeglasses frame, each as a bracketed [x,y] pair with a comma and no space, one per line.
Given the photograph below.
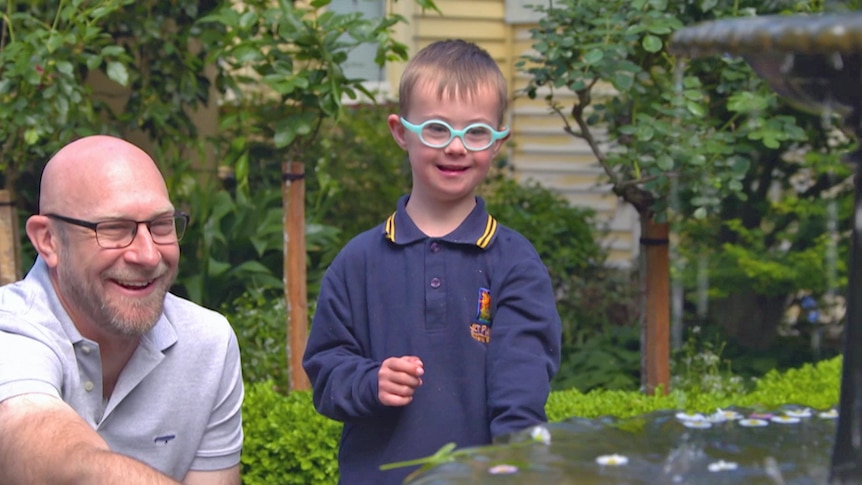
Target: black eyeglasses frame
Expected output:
[94,226]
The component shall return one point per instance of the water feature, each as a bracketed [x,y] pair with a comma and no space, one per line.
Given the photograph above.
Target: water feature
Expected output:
[815,63]
[734,446]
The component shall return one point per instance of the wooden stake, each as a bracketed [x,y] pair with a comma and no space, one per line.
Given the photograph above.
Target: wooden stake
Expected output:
[656,335]
[295,291]
[10,254]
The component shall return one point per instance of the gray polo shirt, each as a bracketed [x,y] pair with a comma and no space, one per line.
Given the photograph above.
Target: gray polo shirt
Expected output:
[177,404]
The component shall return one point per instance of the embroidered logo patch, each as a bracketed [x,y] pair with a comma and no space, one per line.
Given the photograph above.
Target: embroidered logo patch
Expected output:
[164,439]
[480,329]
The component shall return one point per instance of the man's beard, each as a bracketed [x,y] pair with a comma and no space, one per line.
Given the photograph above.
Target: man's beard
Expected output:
[130,317]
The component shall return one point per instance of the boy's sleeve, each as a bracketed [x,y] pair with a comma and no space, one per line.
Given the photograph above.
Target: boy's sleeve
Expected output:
[344,382]
[524,351]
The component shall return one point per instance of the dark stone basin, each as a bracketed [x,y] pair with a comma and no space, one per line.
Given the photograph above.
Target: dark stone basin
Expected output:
[660,448]
[814,62]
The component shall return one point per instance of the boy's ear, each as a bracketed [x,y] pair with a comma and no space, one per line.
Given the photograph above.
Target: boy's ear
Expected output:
[502,141]
[397,130]
[43,239]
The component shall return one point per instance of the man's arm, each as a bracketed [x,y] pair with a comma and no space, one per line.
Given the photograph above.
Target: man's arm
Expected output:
[43,440]
[228,476]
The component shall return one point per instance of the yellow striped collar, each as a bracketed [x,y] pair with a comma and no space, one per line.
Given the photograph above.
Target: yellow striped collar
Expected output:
[479,228]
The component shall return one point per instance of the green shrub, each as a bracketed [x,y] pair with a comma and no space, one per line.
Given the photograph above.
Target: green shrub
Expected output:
[286,441]
[361,167]
[699,366]
[609,361]
[234,243]
[813,385]
[259,320]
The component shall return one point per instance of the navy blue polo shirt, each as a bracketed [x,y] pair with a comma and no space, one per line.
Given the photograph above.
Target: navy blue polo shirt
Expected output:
[477,306]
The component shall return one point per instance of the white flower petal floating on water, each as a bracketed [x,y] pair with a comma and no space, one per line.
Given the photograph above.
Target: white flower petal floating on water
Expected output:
[612,460]
[503,469]
[697,424]
[722,415]
[753,423]
[799,413]
[690,417]
[784,419]
[831,414]
[721,465]
[541,434]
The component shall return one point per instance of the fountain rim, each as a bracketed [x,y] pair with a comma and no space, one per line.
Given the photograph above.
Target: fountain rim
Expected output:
[835,33]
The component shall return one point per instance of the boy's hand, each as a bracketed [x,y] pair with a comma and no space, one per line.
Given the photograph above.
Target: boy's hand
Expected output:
[398,378]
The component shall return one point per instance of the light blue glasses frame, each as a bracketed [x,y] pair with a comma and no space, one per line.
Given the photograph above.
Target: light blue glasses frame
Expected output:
[453,133]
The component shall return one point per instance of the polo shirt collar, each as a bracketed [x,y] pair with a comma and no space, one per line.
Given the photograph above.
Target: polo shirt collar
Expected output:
[479,228]
[161,337]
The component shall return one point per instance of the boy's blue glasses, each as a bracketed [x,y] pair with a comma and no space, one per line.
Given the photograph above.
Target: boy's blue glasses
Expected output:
[438,134]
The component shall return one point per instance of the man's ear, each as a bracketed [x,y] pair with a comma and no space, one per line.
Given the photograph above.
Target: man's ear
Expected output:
[43,239]
[397,130]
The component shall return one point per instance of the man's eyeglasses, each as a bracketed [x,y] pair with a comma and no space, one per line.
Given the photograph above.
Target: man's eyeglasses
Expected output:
[439,134]
[119,233]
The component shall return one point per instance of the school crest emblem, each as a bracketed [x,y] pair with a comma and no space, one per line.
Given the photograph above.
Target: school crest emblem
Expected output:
[480,328]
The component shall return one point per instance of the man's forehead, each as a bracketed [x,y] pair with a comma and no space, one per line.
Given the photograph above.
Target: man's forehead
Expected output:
[93,172]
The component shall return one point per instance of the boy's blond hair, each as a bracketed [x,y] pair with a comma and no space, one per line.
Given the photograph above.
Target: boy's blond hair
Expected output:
[458,68]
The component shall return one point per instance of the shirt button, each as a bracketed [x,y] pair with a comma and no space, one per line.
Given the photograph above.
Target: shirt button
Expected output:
[85,349]
[435,247]
[88,386]
[435,283]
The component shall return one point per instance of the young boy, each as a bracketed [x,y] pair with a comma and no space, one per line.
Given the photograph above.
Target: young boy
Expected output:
[440,324]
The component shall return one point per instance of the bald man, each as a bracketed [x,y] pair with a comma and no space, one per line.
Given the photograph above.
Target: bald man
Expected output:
[105,376]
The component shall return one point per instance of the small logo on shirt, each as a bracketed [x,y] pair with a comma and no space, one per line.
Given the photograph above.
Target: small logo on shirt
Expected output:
[480,329]
[164,439]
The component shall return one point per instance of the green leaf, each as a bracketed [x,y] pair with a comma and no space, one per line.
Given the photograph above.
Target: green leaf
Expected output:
[247,19]
[284,137]
[746,102]
[664,162]
[651,43]
[117,72]
[246,53]
[645,132]
[594,56]
[65,67]
[623,80]
[696,109]
[31,136]
[112,51]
